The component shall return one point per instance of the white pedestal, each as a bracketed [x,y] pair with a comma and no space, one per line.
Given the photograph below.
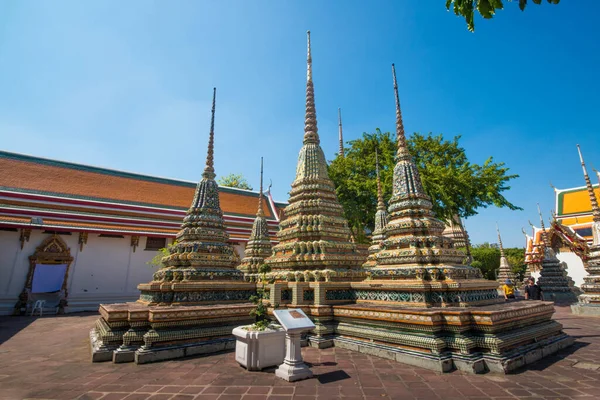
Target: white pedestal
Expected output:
[256,350]
[293,368]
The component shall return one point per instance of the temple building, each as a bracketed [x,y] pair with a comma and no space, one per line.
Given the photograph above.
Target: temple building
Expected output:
[570,232]
[111,222]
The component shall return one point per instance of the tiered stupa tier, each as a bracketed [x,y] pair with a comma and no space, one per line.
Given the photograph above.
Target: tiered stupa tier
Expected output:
[553,279]
[381,221]
[201,253]
[258,247]
[589,301]
[505,271]
[314,235]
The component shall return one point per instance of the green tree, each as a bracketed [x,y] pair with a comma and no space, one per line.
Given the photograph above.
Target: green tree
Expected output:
[260,310]
[235,181]
[485,8]
[516,259]
[487,259]
[456,186]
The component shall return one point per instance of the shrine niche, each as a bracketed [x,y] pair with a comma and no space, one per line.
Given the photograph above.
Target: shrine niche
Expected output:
[48,265]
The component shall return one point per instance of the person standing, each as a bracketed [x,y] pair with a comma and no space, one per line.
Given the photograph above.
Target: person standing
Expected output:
[533,291]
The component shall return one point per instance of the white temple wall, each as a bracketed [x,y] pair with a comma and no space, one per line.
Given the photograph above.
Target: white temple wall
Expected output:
[575,268]
[107,270]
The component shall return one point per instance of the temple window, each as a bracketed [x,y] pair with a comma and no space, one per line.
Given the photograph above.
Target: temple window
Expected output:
[155,243]
[108,235]
[57,232]
[8,229]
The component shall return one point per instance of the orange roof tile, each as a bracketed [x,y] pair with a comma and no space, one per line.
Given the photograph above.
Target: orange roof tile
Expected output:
[49,176]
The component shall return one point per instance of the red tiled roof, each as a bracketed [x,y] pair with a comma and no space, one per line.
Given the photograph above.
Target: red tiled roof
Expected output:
[32,176]
[79,197]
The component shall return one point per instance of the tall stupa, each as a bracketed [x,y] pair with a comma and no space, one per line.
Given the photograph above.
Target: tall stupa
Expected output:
[381,221]
[313,235]
[202,253]
[414,246]
[589,301]
[258,247]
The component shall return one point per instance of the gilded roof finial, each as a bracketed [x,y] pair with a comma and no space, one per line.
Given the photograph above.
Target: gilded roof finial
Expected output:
[544,234]
[209,169]
[340,132]
[260,212]
[400,136]
[380,203]
[590,189]
[310,121]
[500,241]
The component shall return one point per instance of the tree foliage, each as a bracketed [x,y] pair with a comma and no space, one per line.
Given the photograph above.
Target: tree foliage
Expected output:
[235,181]
[485,8]
[456,186]
[260,310]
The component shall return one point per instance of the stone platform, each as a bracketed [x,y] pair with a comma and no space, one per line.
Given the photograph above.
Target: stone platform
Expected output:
[497,338]
[48,358]
[590,310]
[136,332]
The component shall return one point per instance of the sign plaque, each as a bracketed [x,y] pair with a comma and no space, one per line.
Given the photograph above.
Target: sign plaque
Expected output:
[294,321]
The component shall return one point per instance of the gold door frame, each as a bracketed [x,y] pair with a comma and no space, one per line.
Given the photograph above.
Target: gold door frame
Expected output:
[53,250]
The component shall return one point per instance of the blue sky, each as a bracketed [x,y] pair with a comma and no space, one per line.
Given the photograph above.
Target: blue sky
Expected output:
[127,85]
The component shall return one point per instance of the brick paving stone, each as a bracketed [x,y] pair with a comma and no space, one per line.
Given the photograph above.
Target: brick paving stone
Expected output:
[48,358]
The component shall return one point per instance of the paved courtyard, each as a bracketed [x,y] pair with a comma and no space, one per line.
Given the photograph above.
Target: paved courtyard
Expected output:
[48,358]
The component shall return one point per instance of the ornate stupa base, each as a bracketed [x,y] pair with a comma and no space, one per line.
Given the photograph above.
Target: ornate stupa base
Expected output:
[428,324]
[185,293]
[589,301]
[138,332]
[173,319]
[586,309]
[496,338]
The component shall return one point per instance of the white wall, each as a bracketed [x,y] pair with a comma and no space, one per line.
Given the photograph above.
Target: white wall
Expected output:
[107,270]
[574,266]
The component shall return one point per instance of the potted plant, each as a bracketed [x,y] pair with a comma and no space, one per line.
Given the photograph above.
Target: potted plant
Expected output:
[261,344]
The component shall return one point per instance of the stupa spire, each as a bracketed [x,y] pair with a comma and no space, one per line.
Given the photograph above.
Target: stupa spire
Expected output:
[545,239]
[380,203]
[314,235]
[400,135]
[504,272]
[260,212]
[413,235]
[202,251]
[259,245]
[500,241]
[341,135]
[590,189]
[381,221]
[311,134]
[209,169]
